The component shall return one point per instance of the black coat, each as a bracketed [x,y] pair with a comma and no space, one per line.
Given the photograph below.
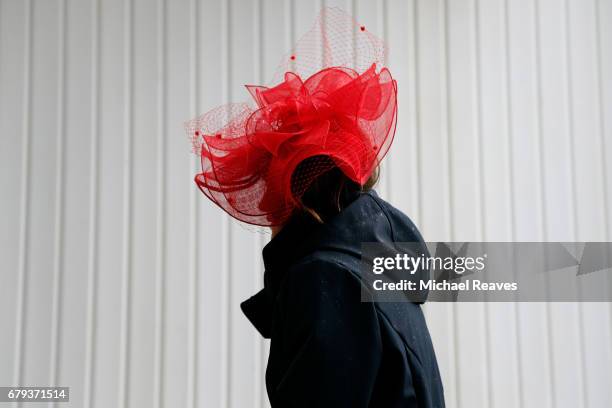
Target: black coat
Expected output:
[329,349]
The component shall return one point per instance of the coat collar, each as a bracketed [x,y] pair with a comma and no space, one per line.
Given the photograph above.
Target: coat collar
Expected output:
[301,236]
[294,239]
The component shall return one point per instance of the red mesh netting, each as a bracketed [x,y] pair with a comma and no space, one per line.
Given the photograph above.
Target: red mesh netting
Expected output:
[331,99]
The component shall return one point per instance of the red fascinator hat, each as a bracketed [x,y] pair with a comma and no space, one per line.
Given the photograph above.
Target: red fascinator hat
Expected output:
[332,99]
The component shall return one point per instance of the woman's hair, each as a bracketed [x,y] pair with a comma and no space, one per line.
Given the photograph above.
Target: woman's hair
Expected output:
[330,192]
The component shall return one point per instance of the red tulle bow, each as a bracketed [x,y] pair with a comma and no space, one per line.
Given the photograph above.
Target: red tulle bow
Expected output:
[247,167]
[320,115]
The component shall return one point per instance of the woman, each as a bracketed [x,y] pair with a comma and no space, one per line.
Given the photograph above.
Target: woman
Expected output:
[303,162]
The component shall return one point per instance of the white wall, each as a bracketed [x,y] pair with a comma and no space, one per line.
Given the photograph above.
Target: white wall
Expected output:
[118,279]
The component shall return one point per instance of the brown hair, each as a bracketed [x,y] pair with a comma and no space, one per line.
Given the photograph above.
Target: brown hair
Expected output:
[330,192]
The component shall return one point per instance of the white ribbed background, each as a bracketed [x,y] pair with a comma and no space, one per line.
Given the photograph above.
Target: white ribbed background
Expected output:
[118,278]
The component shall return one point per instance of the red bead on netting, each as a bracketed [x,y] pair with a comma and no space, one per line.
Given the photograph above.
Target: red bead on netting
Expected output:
[293,57]
[197,133]
[362,28]
[374,147]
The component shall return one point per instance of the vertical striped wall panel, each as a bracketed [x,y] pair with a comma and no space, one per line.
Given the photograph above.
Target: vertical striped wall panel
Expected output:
[118,279]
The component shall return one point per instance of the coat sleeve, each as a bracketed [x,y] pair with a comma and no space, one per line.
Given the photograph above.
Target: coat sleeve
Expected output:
[330,339]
